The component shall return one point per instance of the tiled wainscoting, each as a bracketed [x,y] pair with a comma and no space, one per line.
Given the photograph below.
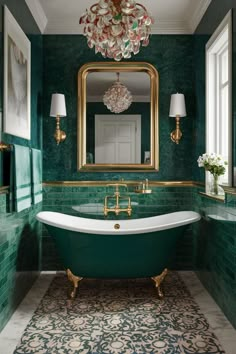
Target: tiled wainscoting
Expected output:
[215,247]
[20,255]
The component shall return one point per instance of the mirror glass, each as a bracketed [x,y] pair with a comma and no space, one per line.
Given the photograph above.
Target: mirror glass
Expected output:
[124,140]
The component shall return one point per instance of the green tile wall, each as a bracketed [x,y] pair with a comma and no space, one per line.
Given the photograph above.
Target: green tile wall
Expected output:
[20,234]
[20,256]
[3,203]
[172,56]
[215,252]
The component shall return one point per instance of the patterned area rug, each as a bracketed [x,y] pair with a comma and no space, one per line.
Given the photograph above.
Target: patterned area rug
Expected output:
[118,317]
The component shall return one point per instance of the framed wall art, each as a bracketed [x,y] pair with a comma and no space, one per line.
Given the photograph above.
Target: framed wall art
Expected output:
[17,71]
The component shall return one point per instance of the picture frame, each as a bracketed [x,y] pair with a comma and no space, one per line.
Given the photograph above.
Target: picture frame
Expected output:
[17,83]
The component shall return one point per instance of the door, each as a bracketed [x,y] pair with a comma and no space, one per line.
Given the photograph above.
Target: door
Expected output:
[118,138]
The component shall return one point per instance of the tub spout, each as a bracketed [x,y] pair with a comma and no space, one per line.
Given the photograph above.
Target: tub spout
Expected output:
[117,209]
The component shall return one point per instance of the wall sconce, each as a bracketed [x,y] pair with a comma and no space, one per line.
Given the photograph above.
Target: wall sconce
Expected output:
[58,109]
[177,110]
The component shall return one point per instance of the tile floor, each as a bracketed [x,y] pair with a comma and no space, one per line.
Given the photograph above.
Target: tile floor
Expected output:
[12,333]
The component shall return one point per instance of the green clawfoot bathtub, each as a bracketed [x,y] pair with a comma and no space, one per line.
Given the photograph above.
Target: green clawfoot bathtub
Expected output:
[133,248]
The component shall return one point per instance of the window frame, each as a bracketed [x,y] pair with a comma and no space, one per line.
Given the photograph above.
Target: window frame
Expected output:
[213,86]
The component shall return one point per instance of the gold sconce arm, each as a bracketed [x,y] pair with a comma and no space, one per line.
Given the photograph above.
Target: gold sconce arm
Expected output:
[59,135]
[176,134]
[58,109]
[177,110]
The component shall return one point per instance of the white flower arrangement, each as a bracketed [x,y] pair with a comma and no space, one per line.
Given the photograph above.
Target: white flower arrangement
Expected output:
[214,163]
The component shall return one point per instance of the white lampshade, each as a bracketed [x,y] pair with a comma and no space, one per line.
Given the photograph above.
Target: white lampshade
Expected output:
[58,105]
[177,105]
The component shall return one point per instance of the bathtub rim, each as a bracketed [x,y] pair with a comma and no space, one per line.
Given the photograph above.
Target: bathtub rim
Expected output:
[127,227]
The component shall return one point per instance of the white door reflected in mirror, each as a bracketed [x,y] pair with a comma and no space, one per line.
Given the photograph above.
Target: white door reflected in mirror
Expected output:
[118,138]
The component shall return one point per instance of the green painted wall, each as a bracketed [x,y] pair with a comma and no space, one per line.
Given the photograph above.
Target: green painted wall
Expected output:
[171,55]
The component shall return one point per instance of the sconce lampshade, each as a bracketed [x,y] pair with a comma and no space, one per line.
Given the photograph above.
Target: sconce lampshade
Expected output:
[177,105]
[58,105]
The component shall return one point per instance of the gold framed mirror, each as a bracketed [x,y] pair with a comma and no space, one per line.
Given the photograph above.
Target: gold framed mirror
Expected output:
[125,141]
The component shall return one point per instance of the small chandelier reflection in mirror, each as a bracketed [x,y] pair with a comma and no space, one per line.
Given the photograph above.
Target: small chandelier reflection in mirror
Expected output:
[117,98]
[116,28]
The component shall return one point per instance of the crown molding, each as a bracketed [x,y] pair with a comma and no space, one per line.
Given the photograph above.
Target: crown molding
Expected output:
[71,26]
[198,14]
[38,14]
[171,27]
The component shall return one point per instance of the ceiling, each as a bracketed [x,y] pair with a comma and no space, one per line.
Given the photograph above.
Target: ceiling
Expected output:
[97,83]
[170,16]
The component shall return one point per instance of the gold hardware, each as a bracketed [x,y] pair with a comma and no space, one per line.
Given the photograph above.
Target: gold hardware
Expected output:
[59,135]
[117,209]
[143,188]
[117,226]
[176,134]
[75,280]
[158,279]
[129,183]
[4,146]
[143,191]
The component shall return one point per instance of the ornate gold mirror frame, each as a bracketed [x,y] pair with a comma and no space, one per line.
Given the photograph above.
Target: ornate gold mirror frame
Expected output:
[122,67]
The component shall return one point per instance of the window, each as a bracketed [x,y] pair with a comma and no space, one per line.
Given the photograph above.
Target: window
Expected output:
[218,95]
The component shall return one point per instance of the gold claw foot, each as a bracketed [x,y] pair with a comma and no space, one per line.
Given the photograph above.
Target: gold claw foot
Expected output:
[158,279]
[75,280]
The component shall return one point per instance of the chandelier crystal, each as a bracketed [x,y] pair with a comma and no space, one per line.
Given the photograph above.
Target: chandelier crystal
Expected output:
[117,98]
[116,28]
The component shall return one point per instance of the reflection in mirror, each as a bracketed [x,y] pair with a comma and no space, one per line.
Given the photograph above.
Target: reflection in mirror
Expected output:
[114,135]
[117,137]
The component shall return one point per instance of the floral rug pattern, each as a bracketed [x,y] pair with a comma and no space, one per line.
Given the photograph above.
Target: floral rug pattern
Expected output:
[118,317]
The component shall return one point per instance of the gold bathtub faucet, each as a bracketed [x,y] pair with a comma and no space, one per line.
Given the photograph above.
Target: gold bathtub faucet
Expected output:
[117,208]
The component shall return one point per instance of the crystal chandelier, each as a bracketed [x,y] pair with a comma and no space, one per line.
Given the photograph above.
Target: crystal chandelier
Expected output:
[116,28]
[117,98]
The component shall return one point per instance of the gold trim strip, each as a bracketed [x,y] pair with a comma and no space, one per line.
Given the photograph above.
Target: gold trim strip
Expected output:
[129,183]
[219,198]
